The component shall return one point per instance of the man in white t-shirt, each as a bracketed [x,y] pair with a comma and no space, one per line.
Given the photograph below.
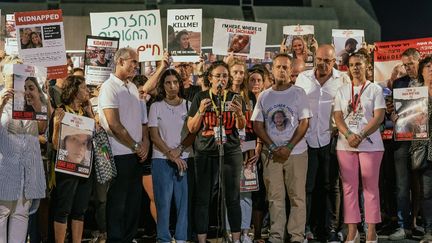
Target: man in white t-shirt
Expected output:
[321,85]
[281,119]
[125,119]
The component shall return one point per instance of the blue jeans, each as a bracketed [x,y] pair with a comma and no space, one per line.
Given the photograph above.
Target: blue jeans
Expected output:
[166,184]
[403,182]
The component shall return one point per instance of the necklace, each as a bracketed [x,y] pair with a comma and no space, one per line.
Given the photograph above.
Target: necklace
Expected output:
[172,104]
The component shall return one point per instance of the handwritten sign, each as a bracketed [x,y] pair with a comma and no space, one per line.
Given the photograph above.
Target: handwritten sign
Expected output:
[239,37]
[140,30]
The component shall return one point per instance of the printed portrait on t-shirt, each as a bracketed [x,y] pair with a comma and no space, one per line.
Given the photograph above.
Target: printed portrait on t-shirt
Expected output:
[280,120]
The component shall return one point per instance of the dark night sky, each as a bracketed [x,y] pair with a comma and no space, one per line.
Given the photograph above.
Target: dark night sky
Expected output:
[404,19]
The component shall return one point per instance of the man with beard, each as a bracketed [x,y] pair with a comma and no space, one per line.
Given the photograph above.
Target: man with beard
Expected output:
[185,70]
[286,169]
[321,85]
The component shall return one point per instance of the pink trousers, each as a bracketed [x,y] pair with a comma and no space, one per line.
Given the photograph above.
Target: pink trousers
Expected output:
[366,164]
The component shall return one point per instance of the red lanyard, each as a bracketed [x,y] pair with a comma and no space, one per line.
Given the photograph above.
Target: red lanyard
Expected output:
[354,103]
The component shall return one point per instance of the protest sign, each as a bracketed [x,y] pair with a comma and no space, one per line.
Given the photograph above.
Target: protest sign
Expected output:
[75,153]
[184,34]
[140,30]
[411,106]
[387,57]
[239,37]
[11,43]
[41,38]
[99,58]
[29,102]
[345,43]
[299,40]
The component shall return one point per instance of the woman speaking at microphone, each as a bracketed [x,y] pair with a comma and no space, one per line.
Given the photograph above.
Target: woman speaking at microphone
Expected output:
[204,121]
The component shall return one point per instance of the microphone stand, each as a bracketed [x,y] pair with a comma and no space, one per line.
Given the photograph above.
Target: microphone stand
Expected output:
[221,171]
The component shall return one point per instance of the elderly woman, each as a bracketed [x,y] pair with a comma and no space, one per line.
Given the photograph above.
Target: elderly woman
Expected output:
[71,194]
[358,112]
[425,77]
[22,178]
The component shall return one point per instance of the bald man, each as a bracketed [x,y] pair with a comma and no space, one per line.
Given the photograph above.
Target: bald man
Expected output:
[321,84]
[297,66]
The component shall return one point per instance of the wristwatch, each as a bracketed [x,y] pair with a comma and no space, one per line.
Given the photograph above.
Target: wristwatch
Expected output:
[135,146]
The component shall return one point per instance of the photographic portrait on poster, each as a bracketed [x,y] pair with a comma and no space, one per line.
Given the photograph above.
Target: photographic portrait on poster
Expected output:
[239,43]
[299,41]
[140,30]
[31,37]
[29,101]
[239,37]
[346,42]
[99,58]
[75,152]
[41,37]
[184,28]
[411,107]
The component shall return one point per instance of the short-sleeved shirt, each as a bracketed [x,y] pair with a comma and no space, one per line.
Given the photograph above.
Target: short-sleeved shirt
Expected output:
[371,99]
[123,96]
[205,140]
[169,120]
[281,112]
[321,101]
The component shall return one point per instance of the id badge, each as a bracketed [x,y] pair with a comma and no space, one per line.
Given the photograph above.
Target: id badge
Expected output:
[353,123]
[242,134]
[217,136]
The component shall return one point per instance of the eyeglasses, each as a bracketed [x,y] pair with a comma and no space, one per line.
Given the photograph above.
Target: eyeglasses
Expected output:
[219,76]
[325,60]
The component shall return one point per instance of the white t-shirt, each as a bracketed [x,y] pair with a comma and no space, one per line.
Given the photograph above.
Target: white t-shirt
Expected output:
[281,112]
[371,99]
[169,120]
[116,94]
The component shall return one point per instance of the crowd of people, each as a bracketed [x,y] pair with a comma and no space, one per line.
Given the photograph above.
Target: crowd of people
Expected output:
[323,168]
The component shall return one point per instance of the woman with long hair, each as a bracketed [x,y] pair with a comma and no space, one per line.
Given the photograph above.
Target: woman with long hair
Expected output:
[34,97]
[35,40]
[71,194]
[204,121]
[170,155]
[358,112]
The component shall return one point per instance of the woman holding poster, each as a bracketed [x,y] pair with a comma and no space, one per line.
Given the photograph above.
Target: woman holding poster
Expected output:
[22,176]
[203,120]
[358,112]
[425,77]
[71,194]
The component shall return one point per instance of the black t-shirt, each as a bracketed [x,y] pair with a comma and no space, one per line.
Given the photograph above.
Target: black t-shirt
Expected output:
[190,92]
[205,141]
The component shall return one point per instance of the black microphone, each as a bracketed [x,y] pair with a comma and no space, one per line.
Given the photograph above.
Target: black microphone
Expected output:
[219,86]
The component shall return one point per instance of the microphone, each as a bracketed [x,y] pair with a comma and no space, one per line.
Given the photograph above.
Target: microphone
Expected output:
[219,86]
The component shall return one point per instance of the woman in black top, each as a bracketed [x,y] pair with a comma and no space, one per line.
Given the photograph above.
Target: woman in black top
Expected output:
[203,120]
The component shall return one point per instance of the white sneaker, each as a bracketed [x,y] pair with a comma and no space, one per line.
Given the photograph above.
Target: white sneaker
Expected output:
[246,239]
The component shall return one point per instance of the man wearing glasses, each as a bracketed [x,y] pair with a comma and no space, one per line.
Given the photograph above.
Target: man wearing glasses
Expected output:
[321,84]
[185,70]
[410,61]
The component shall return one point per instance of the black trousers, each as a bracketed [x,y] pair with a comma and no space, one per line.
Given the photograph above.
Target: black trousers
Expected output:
[124,199]
[206,174]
